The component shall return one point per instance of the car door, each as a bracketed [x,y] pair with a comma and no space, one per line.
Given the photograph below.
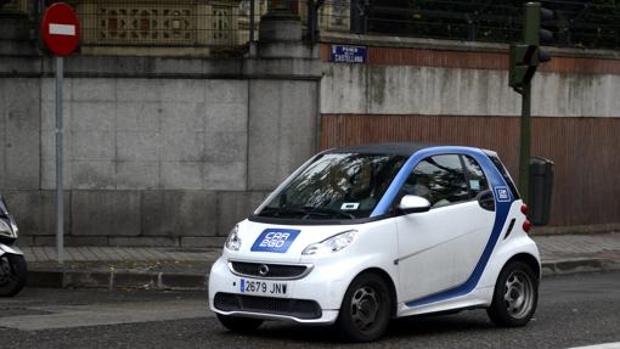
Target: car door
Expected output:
[438,249]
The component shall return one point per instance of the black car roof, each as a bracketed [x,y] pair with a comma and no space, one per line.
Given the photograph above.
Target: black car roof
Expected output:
[405,149]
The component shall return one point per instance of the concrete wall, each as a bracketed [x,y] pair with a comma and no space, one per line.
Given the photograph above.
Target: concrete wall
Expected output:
[147,134]
[158,152]
[409,89]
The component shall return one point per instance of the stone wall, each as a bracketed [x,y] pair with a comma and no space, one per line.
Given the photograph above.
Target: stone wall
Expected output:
[158,151]
[411,89]
[147,134]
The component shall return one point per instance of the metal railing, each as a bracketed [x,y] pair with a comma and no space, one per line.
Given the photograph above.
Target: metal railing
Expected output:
[220,24]
[587,24]
[230,24]
[213,24]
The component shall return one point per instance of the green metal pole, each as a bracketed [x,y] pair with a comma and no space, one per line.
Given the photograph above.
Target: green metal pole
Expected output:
[524,148]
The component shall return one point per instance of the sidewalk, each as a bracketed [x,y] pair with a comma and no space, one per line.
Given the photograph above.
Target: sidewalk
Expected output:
[181,268]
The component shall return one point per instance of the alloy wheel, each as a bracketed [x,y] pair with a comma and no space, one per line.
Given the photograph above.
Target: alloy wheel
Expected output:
[518,294]
[365,306]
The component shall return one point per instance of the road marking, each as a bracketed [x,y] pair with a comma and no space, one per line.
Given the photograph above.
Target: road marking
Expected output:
[615,345]
[70,316]
[62,29]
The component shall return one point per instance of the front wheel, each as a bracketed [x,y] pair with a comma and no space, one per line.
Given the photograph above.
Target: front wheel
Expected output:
[13,272]
[366,309]
[515,297]
[239,324]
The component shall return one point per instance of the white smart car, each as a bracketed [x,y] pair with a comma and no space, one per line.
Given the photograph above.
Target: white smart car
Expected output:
[360,235]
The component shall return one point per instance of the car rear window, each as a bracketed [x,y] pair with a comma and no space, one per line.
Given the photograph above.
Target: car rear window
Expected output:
[502,170]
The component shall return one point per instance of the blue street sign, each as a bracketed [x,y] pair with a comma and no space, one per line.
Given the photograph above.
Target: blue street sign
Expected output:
[348,54]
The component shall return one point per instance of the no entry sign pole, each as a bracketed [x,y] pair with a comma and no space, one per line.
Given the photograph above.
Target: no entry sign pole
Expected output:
[60,29]
[60,200]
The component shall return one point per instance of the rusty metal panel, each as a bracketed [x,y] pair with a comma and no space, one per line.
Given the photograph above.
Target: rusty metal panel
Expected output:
[437,58]
[584,150]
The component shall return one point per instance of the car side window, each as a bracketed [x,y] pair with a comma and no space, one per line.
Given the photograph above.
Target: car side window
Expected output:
[440,179]
[478,184]
[477,181]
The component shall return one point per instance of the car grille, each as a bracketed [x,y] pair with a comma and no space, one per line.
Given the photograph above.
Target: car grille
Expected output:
[298,308]
[282,271]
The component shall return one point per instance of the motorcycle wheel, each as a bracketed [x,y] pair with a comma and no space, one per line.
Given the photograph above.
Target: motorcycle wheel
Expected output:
[13,272]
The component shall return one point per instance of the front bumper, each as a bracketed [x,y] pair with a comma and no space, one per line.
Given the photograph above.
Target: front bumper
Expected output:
[324,286]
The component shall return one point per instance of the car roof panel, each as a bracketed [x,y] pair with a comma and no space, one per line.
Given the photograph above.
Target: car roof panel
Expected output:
[405,149]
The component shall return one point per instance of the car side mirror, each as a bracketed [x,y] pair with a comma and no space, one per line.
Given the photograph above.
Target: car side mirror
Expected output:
[413,204]
[486,200]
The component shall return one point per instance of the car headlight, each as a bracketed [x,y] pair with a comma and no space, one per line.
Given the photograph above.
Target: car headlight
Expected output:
[233,242]
[332,244]
[5,228]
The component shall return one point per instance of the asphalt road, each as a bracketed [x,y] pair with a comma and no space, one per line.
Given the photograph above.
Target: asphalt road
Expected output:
[575,310]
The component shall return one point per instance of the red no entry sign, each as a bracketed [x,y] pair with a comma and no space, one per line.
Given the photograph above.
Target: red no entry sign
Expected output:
[60,28]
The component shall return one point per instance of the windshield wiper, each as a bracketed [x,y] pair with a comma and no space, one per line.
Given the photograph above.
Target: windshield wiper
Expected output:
[331,212]
[305,212]
[277,211]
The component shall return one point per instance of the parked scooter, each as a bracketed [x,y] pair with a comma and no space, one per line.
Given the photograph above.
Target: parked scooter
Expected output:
[13,268]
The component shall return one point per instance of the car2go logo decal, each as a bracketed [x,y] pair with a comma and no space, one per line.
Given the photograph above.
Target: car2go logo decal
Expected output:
[502,194]
[275,240]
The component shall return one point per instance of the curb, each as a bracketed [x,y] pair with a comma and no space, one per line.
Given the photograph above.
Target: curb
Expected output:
[571,266]
[122,279]
[128,279]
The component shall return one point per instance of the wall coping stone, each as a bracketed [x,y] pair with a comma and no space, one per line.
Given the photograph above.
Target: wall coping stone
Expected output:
[453,45]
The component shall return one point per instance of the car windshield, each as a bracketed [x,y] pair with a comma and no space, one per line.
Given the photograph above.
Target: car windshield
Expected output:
[336,186]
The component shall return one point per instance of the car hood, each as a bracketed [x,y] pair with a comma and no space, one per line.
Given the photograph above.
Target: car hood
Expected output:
[300,236]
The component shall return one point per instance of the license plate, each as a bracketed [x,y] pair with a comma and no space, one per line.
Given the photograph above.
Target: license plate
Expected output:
[263,287]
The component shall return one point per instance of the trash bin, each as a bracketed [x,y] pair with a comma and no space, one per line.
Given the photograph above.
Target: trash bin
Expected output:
[541,185]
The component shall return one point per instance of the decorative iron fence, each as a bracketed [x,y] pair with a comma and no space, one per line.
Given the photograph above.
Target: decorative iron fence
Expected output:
[165,23]
[14,6]
[587,24]
[228,24]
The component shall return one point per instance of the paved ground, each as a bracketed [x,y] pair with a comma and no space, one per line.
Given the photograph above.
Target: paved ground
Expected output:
[137,258]
[175,268]
[574,310]
[552,247]
[563,247]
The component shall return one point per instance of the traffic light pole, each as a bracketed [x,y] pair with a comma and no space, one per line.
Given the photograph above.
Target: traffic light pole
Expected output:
[525,141]
[525,57]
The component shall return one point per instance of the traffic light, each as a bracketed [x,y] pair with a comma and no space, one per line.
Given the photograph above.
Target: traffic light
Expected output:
[522,65]
[525,56]
[524,59]
[535,28]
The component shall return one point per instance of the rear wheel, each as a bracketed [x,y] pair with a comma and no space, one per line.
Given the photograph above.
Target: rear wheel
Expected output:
[239,324]
[366,309]
[13,272]
[515,297]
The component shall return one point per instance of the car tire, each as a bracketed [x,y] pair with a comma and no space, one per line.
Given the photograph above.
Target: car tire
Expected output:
[13,274]
[515,296]
[366,309]
[239,324]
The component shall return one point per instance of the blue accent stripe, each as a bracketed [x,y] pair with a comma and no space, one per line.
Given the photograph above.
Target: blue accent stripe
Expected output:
[501,213]
[392,191]
[471,282]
